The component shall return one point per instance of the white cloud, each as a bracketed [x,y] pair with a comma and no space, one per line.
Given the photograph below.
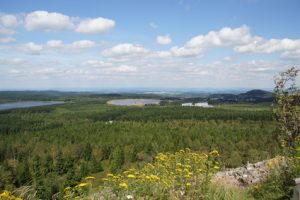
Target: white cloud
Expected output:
[94,63]
[82,44]
[45,21]
[125,68]
[260,45]
[294,55]
[227,58]
[162,54]
[54,44]
[125,49]
[16,61]
[186,51]
[8,20]
[42,20]
[7,23]
[95,26]
[6,31]
[163,39]
[240,40]
[12,61]
[32,48]
[7,40]
[225,37]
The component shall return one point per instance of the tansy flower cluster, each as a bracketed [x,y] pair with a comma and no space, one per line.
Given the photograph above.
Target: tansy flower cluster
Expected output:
[80,190]
[179,174]
[5,195]
[172,175]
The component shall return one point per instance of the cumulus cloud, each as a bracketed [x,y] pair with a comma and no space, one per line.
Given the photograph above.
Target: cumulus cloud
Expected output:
[125,68]
[32,48]
[293,55]
[93,63]
[54,44]
[82,44]
[260,45]
[7,24]
[225,37]
[240,40]
[45,21]
[52,21]
[8,20]
[95,26]
[7,40]
[125,49]
[6,31]
[12,61]
[163,39]
[161,54]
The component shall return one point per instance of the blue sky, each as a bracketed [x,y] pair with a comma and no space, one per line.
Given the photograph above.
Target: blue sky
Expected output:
[133,43]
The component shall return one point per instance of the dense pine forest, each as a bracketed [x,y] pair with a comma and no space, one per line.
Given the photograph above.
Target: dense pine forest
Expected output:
[51,147]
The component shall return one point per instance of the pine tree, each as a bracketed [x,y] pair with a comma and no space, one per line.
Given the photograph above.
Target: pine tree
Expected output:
[24,176]
[116,160]
[59,164]
[87,152]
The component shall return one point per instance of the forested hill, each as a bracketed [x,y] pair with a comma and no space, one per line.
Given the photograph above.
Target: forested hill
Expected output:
[252,96]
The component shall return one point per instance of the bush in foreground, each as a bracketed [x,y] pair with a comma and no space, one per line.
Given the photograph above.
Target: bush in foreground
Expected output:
[184,174]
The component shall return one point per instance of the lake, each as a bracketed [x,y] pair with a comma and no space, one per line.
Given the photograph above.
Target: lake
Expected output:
[26,104]
[134,102]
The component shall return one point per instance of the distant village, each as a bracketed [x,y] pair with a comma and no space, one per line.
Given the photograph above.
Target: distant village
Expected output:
[200,104]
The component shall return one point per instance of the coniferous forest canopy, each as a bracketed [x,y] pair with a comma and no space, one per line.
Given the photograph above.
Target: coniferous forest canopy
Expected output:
[149,100]
[51,147]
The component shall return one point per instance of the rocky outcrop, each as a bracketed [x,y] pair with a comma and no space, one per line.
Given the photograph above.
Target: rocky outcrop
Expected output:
[248,175]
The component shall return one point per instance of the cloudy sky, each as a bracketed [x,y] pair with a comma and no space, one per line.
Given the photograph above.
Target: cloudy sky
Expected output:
[47,44]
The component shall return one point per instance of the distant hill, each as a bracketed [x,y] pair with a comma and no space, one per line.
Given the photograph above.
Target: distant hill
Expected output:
[252,96]
[256,96]
[257,93]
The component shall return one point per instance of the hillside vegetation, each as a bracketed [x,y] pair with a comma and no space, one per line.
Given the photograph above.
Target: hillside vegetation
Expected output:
[51,147]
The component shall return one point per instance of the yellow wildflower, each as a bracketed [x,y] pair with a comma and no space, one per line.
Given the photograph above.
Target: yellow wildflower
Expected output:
[89,178]
[216,167]
[123,185]
[154,177]
[178,170]
[67,188]
[214,153]
[82,184]
[131,176]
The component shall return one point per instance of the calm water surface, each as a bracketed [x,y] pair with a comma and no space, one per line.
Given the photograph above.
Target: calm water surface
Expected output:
[133,102]
[26,104]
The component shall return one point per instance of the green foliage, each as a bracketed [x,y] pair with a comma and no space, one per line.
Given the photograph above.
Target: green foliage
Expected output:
[287,109]
[223,192]
[116,159]
[279,184]
[182,175]
[68,142]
